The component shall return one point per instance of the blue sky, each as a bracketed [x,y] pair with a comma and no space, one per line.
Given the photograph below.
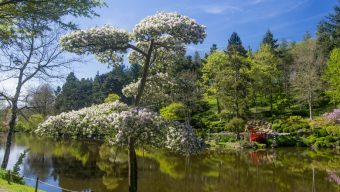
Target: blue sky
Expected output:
[287,19]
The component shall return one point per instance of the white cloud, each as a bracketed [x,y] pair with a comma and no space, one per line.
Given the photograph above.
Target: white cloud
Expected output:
[214,10]
[218,9]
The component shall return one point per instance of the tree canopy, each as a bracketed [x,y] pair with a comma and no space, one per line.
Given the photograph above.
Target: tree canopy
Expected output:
[55,11]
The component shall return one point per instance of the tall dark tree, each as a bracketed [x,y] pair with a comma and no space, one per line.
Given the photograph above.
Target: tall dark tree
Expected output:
[268,39]
[285,66]
[328,34]
[115,81]
[235,45]
[98,95]
[69,98]
[134,72]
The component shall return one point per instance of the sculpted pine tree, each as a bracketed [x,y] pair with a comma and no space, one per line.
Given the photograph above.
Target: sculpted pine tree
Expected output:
[162,32]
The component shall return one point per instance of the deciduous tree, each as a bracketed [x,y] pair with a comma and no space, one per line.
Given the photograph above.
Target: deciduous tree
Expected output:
[306,80]
[332,76]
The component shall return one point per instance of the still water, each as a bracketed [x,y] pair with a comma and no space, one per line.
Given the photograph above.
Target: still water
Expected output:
[93,166]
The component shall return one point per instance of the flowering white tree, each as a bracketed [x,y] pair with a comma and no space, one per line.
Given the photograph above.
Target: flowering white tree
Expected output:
[160,33]
[158,90]
[153,35]
[123,126]
[89,122]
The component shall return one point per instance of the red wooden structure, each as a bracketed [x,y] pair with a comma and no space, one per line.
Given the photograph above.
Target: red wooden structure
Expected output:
[256,135]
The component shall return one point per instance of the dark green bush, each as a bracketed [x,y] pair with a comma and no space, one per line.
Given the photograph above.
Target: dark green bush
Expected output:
[287,141]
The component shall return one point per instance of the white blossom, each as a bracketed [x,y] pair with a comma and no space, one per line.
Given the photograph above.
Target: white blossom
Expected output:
[96,40]
[179,27]
[117,123]
[94,121]
[157,89]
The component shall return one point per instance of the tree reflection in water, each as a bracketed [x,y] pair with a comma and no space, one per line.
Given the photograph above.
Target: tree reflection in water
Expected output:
[84,165]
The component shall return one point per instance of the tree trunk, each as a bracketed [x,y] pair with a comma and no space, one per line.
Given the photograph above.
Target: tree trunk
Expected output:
[12,122]
[144,75]
[218,105]
[133,174]
[310,105]
[236,96]
[10,135]
[271,101]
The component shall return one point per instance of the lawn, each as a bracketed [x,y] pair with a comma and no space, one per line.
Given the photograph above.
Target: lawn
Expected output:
[4,186]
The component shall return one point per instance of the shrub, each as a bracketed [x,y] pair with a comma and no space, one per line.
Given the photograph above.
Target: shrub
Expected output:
[333,117]
[33,122]
[293,124]
[333,130]
[112,97]
[319,122]
[259,145]
[216,126]
[174,112]
[236,125]
[317,142]
[287,141]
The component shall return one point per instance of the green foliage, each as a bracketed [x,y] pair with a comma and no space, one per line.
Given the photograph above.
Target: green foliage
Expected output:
[236,125]
[53,11]
[265,74]
[293,124]
[76,94]
[174,112]
[235,45]
[333,130]
[269,40]
[328,32]
[229,72]
[259,145]
[112,97]
[13,187]
[287,141]
[322,142]
[332,76]
[307,80]
[33,122]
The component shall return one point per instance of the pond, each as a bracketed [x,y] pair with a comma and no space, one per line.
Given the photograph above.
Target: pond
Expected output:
[94,166]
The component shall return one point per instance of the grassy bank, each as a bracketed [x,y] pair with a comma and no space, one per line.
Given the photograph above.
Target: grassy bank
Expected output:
[13,187]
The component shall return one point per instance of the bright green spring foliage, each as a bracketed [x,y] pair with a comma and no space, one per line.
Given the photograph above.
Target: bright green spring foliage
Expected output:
[265,73]
[236,125]
[332,76]
[32,123]
[226,76]
[112,98]
[174,112]
[12,11]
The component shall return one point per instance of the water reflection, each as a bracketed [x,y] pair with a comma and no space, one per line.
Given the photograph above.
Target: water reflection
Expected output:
[85,166]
